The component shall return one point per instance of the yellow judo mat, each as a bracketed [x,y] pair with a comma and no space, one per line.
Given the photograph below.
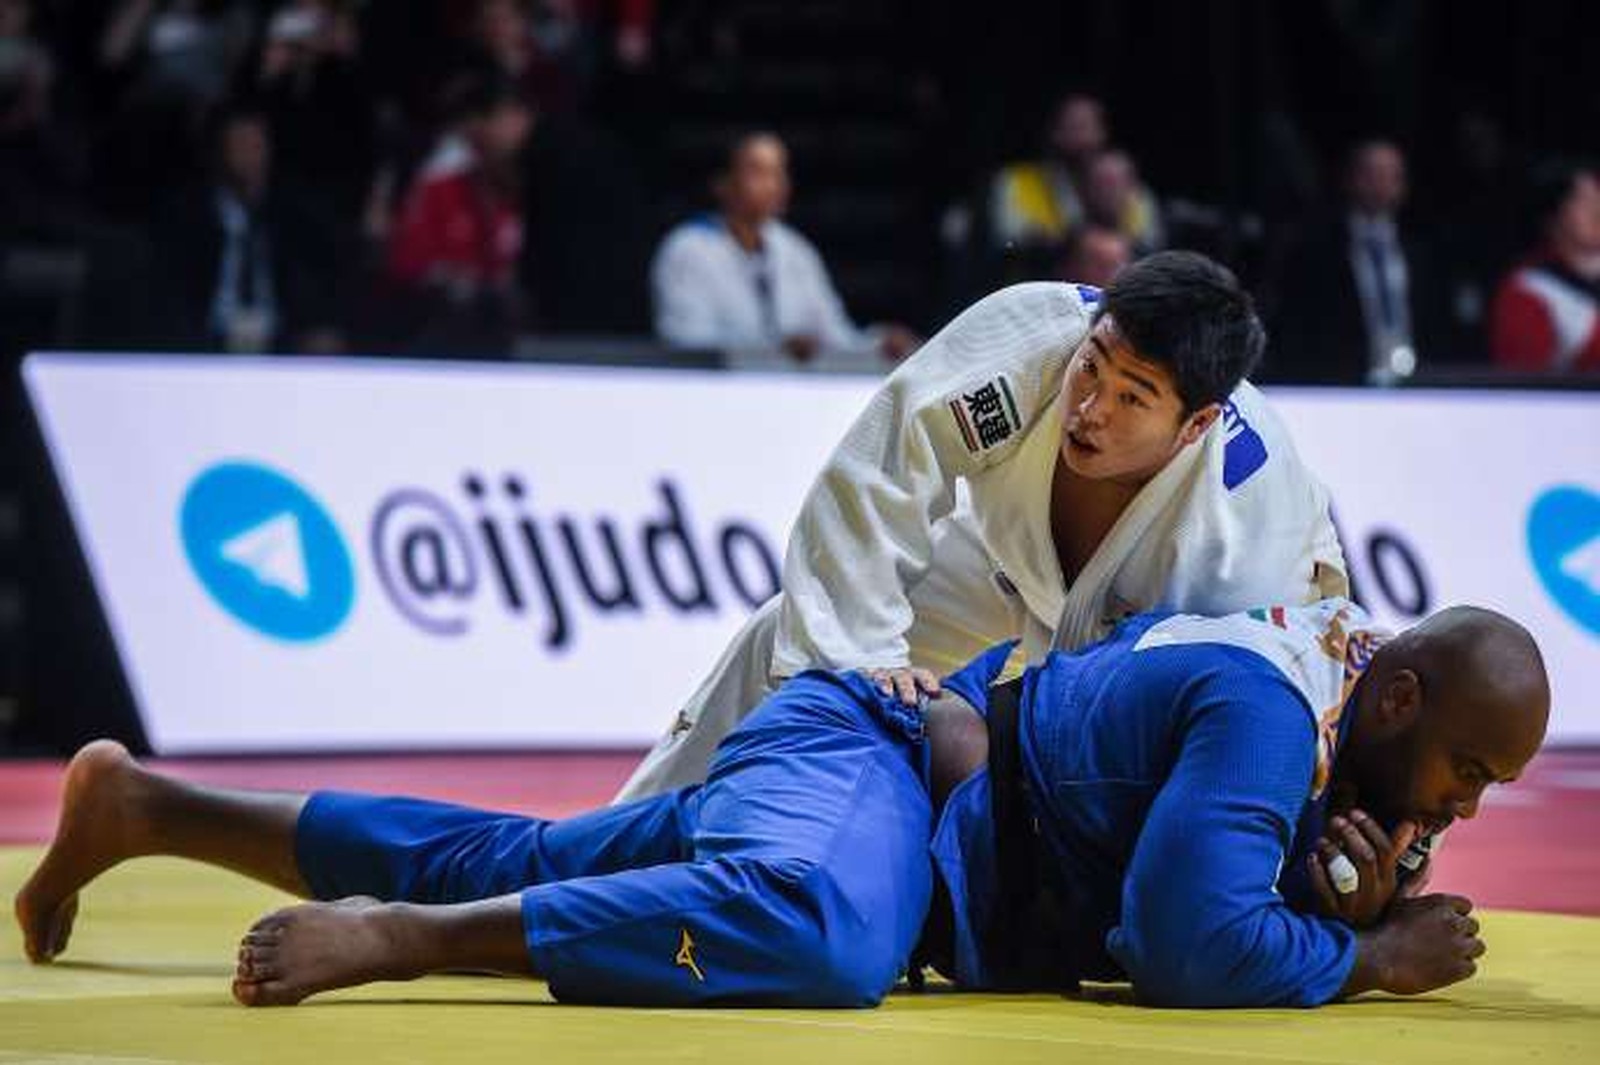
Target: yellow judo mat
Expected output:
[146,980]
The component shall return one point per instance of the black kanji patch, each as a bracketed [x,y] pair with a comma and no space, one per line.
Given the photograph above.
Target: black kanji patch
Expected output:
[986,416]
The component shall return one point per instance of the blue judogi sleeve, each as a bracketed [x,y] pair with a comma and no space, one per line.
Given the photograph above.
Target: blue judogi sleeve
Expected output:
[1202,921]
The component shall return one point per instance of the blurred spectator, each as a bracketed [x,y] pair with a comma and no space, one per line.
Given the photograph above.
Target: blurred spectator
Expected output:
[1038,202]
[632,38]
[1353,287]
[459,235]
[26,69]
[175,61]
[501,32]
[1114,199]
[40,168]
[1095,255]
[314,93]
[742,282]
[187,47]
[1546,313]
[249,267]
[556,50]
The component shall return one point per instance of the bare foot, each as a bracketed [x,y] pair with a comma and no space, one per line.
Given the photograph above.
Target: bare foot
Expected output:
[101,824]
[319,946]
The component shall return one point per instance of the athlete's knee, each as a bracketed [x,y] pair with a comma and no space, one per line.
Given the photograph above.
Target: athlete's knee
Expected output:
[851,974]
[836,960]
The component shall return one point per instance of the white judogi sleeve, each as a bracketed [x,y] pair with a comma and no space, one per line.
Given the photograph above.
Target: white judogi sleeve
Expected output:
[960,405]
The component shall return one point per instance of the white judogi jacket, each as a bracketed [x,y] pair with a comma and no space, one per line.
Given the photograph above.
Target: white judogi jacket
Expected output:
[926,537]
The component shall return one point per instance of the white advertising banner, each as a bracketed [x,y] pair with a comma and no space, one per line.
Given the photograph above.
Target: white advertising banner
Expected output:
[1487,498]
[319,554]
[306,554]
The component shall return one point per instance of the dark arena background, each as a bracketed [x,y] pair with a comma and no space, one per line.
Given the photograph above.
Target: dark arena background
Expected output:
[416,396]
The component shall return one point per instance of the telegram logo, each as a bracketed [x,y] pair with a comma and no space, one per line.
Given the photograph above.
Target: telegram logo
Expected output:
[267,552]
[1564,540]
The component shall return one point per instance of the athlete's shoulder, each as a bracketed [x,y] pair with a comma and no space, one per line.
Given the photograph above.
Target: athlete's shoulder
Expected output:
[1315,646]
[1020,323]
[1051,297]
[995,368]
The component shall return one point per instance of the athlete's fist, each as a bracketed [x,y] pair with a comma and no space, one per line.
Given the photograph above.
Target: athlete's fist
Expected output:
[1423,944]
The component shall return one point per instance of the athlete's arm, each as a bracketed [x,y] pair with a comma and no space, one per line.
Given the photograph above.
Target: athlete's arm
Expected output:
[1202,921]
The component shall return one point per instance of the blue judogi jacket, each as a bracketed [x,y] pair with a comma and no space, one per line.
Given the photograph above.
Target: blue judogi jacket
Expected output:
[1170,786]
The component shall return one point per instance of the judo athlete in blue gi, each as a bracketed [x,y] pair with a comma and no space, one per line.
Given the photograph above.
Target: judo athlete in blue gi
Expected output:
[1154,808]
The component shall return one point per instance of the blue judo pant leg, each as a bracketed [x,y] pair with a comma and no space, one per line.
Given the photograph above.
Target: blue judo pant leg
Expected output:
[415,850]
[809,880]
[797,875]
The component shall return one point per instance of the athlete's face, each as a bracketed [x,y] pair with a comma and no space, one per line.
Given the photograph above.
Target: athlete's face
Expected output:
[1122,418]
[1436,766]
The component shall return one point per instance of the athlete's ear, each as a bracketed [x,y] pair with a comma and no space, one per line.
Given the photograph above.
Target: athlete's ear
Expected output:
[1400,702]
[1195,426]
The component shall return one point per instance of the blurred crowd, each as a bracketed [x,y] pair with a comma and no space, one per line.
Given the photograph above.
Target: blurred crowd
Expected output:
[443,177]
[307,176]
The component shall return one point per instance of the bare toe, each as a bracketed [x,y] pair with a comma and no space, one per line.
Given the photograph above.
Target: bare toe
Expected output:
[247,993]
[61,925]
[301,951]
[257,965]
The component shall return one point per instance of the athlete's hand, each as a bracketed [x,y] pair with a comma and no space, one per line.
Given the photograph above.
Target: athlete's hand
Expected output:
[906,682]
[1425,943]
[1375,855]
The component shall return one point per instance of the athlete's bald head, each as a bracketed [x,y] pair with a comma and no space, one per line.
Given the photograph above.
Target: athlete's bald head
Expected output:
[1484,666]
[1449,706]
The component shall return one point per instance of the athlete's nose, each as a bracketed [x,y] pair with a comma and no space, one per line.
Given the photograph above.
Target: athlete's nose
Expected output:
[1091,409]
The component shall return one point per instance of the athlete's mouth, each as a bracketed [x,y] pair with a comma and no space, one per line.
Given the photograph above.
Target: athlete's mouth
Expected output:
[1079,445]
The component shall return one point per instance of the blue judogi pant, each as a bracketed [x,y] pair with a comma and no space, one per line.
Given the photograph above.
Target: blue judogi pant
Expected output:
[797,875]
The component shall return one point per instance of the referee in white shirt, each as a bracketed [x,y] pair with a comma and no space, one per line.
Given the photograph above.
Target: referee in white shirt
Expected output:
[741,282]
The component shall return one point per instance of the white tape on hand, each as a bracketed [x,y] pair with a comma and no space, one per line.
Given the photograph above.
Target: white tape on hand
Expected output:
[1343,874]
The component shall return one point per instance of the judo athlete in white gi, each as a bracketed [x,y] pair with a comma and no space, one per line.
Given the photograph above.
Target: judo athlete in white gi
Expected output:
[1052,461]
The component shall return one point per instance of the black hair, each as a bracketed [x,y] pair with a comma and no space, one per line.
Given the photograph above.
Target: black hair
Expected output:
[736,142]
[1549,185]
[1190,314]
[1374,139]
[474,93]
